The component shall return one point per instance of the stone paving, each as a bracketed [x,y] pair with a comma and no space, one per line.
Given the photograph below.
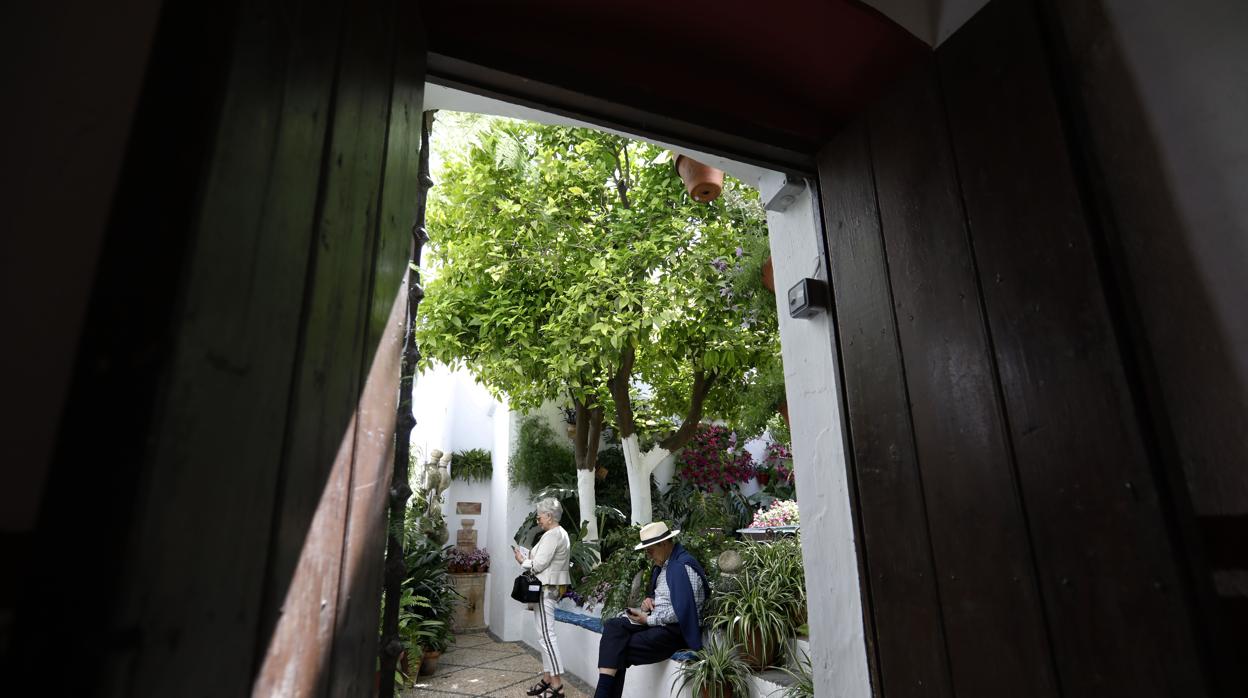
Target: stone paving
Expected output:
[479,665]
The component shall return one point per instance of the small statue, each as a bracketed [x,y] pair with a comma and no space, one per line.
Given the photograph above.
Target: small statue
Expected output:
[444,472]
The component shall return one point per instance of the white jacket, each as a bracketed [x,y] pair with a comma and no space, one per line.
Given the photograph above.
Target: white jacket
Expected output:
[549,558]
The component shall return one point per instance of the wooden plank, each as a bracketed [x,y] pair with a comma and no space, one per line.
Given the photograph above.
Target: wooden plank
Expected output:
[211,480]
[1120,622]
[301,600]
[977,526]
[909,637]
[355,638]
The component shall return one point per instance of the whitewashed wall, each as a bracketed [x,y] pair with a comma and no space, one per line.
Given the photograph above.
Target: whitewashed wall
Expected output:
[837,640]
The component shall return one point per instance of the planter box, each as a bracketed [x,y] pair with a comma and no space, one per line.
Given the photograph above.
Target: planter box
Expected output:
[765,534]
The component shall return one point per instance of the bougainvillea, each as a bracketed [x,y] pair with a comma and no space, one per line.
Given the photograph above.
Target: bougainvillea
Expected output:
[460,562]
[783,512]
[714,461]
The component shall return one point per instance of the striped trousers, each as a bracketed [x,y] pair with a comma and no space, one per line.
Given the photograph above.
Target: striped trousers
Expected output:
[544,617]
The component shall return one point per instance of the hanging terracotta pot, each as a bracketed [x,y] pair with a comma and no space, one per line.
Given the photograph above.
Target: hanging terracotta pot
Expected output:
[784,412]
[769,276]
[600,473]
[703,182]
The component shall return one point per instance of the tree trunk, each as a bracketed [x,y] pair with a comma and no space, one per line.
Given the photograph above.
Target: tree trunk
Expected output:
[587,498]
[640,466]
[585,450]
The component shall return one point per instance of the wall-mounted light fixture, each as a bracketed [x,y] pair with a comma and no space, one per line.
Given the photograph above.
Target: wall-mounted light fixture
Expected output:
[779,191]
[807,297]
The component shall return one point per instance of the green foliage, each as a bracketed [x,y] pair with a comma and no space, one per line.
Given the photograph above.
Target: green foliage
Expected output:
[803,685]
[611,581]
[541,457]
[761,398]
[763,387]
[767,598]
[429,580]
[554,249]
[689,508]
[717,672]
[472,465]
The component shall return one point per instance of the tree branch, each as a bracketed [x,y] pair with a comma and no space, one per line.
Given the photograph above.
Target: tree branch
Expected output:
[701,386]
[619,392]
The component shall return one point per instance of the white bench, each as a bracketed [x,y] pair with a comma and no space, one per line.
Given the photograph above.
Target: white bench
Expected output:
[578,646]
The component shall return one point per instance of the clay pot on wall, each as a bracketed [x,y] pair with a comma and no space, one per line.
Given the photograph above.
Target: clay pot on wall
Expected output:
[769,276]
[784,412]
[703,182]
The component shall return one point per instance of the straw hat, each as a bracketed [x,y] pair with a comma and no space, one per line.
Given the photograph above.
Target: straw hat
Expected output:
[653,533]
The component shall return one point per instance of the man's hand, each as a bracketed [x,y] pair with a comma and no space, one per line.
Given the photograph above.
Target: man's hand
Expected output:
[647,604]
[641,618]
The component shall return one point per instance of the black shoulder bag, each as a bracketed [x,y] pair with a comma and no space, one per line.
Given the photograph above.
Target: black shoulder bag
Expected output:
[526,588]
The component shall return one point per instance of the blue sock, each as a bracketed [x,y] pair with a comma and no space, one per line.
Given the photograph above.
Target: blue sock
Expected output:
[605,683]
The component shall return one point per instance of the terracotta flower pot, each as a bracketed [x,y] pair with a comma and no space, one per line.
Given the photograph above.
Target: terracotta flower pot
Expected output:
[724,692]
[703,182]
[429,663]
[783,408]
[769,276]
[756,654]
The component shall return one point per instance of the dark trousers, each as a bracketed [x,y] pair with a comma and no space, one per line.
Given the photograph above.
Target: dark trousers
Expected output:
[625,644]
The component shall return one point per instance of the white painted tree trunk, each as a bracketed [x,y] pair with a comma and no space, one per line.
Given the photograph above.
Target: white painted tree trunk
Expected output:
[640,466]
[588,501]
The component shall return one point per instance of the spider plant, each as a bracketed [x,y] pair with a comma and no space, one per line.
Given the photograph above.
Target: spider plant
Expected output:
[753,614]
[717,672]
[803,685]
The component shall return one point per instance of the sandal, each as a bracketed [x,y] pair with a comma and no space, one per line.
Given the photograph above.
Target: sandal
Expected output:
[552,692]
[538,688]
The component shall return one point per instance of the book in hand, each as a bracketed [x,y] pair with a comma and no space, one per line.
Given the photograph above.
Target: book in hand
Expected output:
[524,552]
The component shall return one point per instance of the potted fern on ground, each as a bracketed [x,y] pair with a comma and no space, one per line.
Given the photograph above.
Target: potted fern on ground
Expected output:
[716,672]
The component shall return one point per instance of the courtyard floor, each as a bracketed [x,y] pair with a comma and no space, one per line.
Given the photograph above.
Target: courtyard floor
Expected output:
[478,665]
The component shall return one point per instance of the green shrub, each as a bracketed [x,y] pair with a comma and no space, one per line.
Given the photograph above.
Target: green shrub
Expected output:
[541,457]
[472,465]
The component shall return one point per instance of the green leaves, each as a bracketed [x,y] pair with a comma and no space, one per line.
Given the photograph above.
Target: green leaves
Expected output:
[552,249]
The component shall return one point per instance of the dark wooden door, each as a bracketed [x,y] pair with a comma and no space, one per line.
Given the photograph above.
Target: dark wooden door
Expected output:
[242,365]
[1017,538]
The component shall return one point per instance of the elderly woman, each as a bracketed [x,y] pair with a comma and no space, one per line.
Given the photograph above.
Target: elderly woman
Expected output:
[549,562]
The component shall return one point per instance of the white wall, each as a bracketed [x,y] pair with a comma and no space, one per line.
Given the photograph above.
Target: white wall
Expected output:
[837,641]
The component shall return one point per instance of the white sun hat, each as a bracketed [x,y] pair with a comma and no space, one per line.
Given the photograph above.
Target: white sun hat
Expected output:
[653,533]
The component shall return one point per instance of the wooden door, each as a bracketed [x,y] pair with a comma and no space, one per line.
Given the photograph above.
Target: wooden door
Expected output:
[1017,536]
[241,365]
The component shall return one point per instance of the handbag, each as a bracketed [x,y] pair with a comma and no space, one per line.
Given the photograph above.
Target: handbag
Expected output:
[526,588]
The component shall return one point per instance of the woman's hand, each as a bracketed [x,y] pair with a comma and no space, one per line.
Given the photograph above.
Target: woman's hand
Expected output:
[516,553]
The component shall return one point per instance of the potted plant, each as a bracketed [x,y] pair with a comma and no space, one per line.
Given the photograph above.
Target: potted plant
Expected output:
[439,639]
[716,672]
[758,611]
[475,464]
[803,685]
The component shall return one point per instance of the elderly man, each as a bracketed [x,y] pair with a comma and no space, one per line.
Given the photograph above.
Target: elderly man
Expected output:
[669,618]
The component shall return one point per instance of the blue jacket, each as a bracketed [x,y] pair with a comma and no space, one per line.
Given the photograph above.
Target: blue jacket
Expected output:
[683,603]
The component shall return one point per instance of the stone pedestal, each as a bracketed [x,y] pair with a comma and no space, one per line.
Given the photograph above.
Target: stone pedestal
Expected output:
[469,613]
